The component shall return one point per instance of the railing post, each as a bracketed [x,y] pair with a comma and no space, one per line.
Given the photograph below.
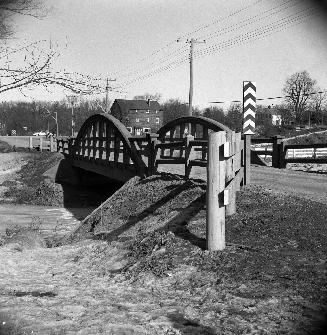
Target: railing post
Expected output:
[282,155]
[188,155]
[215,230]
[247,159]
[230,175]
[70,146]
[278,152]
[51,144]
[30,146]
[41,143]
[151,154]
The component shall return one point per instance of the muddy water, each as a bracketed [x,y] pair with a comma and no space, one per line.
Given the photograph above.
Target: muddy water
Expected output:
[52,219]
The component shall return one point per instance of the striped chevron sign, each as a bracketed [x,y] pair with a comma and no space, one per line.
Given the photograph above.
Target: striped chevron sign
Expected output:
[249,102]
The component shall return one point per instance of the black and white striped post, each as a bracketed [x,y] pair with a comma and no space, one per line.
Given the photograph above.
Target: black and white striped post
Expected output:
[249,104]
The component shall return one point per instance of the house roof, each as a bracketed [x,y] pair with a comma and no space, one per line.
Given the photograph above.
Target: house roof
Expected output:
[138,104]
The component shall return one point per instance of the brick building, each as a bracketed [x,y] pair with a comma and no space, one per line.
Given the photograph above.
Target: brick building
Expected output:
[139,116]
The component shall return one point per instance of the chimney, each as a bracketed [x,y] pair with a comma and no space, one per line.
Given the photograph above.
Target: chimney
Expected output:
[148,102]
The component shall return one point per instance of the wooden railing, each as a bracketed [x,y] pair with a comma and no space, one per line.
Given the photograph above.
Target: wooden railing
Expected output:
[281,155]
[64,145]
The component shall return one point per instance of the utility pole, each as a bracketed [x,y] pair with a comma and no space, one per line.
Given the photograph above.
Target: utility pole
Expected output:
[191,41]
[107,94]
[55,118]
[72,99]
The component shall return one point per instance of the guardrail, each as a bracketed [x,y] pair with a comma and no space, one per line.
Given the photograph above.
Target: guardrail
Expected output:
[283,153]
[40,143]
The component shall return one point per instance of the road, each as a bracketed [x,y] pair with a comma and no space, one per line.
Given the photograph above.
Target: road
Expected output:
[312,186]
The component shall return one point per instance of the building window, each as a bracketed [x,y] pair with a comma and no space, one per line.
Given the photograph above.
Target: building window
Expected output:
[146,130]
[157,120]
[148,120]
[137,120]
[130,129]
[138,131]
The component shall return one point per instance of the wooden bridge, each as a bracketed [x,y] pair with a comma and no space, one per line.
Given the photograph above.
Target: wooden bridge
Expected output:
[104,146]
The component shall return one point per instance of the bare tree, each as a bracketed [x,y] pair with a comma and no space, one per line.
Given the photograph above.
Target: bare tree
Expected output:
[10,9]
[36,68]
[298,89]
[25,66]
[146,96]
[318,103]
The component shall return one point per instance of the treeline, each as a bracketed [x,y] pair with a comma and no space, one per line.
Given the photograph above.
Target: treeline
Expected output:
[25,118]
[232,118]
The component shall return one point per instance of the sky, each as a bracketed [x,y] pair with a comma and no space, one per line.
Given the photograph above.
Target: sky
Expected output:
[134,42]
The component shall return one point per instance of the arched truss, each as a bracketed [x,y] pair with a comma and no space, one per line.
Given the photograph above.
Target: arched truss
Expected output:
[103,145]
[197,126]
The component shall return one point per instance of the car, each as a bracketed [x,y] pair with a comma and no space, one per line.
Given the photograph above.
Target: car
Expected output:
[40,133]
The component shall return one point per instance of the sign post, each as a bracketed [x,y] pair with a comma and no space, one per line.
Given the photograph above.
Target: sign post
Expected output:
[249,103]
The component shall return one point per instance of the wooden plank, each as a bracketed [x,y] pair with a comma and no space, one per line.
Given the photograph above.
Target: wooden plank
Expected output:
[189,155]
[176,160]
[230,174]
[306,146]
[215,219]
[193,129]
[171,137]
[247,159]
[199,143]
[306,160]
[237,161]
[268,140]
[116,148]
[108,141]
[167,145]
[101,134]
[205,137]
[198,162]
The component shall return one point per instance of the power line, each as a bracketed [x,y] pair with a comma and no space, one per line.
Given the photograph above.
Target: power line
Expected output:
[251,20]
[169,44]
[270,98]
[273,27]
[258,33]
[220,32]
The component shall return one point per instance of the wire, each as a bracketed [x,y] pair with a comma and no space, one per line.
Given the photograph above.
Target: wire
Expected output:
[249,21]
[258,33]
[216,21]
[270,98]
[273,27]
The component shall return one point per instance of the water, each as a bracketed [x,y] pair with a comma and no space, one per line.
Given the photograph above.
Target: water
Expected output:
[58,219]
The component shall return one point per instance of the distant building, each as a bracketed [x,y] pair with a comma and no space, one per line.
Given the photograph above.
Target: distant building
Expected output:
[139,116]
[268,115]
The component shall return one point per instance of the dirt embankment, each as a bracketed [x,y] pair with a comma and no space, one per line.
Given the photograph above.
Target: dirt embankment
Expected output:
[145,270]
[157,279]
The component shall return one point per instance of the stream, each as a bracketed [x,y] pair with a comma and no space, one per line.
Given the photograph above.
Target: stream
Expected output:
[52,219]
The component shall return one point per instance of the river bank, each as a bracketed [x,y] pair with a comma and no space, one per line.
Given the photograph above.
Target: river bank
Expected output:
[153,275]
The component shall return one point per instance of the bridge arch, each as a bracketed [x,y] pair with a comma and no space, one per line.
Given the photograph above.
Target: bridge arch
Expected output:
[198,126]
[103,145]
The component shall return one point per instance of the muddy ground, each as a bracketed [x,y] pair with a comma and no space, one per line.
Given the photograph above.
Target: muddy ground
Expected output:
[143,269]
